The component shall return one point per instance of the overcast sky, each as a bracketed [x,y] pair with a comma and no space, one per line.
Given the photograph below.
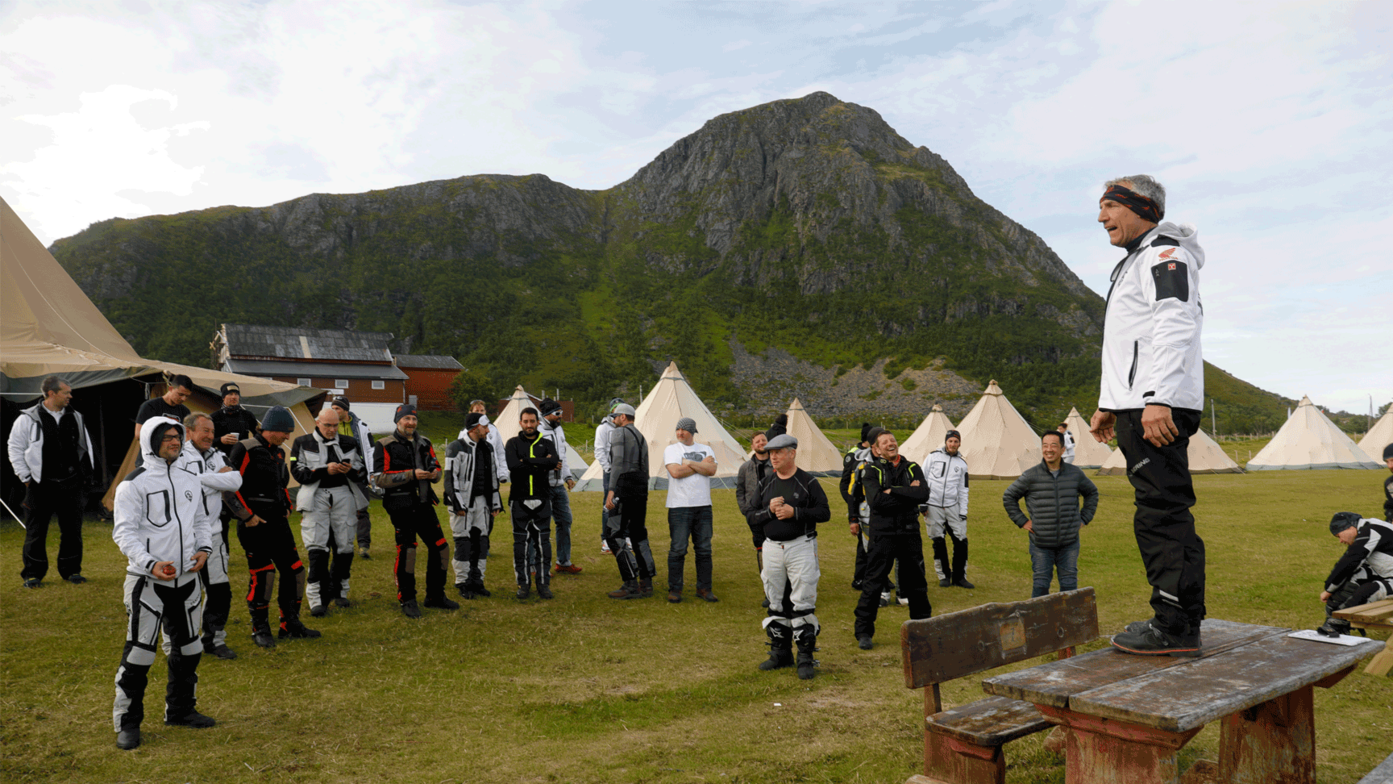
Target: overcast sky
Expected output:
[1271,124]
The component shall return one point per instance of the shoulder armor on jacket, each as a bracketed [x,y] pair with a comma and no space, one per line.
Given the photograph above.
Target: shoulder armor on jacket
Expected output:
[132,475]
[1164,241]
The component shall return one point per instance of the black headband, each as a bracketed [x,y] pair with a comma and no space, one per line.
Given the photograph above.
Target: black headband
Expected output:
[1144,208]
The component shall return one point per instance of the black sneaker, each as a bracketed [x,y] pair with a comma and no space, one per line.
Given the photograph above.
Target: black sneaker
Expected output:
[319,611]
[76,579]
[262,637]
[296,631]
[128,738]
[220,651]
[1333,627]
[524,592]
[857,585]
[945,583]
[411,609]
[364,555]
[342,601]
[192,719]
[544,591]
[1151,641]
[480,590]
[441,603]
[34,582]
[864,642]
[962,582]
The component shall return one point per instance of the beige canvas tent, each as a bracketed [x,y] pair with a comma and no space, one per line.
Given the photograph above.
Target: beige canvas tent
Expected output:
[1379,436]
[508,427]
[1310,440]
[997,441]
[1088,452]
[672,399]
[48,326]
[928,436]
[816,453]
[1206,457]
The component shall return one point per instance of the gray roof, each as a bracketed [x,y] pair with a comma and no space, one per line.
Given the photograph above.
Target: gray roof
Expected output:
[273,367]
[429,361]
[245,340]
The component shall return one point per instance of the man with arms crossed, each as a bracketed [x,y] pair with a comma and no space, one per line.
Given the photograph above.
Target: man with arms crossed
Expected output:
[690,466]
[1152,395]
[894,488]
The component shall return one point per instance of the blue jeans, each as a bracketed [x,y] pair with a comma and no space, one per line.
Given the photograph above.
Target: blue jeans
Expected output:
[692,522]
[1045,560]
[561,515]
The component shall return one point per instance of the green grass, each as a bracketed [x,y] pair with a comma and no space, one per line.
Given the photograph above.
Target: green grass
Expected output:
[586,689]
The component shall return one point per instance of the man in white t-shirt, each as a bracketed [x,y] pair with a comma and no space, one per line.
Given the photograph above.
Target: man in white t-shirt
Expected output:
[690,466]
[1068,439]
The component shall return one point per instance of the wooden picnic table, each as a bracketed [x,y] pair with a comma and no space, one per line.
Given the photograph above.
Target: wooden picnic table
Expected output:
[1375,615]
[1128,716]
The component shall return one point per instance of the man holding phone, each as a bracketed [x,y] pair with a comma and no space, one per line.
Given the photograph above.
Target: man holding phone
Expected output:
[328,467]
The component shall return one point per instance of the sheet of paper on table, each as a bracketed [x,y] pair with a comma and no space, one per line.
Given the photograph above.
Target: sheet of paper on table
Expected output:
[1311,634]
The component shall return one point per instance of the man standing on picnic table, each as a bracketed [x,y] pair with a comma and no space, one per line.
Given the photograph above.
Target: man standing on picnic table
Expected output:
[690,467]
[1151,397]
[1051,489]
[792,503]
[894,487]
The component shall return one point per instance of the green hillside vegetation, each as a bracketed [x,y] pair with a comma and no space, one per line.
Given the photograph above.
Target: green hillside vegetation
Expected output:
[806,225]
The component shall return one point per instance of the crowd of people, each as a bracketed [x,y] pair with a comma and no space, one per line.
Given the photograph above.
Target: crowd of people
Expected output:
[198,473]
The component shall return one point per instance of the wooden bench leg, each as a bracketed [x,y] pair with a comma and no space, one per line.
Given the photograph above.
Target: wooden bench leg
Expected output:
[1382,663]
[950,761]
[1274,742]
[1104,751]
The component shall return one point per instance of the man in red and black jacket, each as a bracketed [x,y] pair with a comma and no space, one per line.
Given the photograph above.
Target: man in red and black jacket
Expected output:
[404,466]
[262,508]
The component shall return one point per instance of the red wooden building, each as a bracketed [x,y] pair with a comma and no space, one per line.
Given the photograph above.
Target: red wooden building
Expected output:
[428,380]
[357,365]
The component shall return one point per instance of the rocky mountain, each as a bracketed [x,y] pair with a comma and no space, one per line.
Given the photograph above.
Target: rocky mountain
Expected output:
[797,247]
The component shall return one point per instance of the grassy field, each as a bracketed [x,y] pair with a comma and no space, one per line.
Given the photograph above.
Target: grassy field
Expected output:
[586,689]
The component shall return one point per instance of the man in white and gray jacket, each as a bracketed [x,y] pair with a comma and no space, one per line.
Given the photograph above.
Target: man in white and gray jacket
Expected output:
[158,527]
[201,456]
[946,472]
[471,493]
[328,465]
[1152,395]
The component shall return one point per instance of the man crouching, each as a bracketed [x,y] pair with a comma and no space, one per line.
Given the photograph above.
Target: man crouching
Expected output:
[158,528]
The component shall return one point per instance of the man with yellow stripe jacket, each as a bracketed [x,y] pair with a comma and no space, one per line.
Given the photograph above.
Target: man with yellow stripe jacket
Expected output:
[531,459]
[405,466]
[894,488]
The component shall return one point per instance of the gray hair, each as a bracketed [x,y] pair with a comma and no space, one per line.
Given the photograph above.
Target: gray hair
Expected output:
[1146,185]
[191,421]
[51,384]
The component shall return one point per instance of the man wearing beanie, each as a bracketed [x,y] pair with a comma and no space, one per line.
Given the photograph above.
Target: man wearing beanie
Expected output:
[406,466]
[351,425]
[1151,396]
[232,422]
[560,483]
[690,467]
[792,503]
[531,463]
[495,438]
[471,493]
[161,579]
[1388,484]
[262,508]
[326,464]
[855,457]
[946,471]
[626,500]
[1363,574]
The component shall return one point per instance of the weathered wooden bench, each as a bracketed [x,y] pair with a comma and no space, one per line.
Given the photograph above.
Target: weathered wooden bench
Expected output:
[963,745]
[1376,615]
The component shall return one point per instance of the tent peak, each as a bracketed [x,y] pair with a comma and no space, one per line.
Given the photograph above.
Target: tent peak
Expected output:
[795,404]
[1305,401]
[937,407]
[672,372]
[993,389]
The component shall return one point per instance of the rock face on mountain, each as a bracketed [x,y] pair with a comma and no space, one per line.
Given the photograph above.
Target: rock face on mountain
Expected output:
[799,231]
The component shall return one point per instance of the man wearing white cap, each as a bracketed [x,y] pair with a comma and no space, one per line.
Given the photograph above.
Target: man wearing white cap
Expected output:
[690,466]
[792,503]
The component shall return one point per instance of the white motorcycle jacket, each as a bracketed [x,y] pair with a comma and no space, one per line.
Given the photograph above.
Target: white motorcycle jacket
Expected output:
[947,478]
[157,510]
[208,466]
[1151,330]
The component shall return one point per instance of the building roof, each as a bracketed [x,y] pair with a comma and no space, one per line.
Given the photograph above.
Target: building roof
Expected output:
[280,367]
[306,343]
[428,361]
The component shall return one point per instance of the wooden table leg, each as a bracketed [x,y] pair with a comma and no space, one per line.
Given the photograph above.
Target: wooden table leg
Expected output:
[1271,743]
[1106,751]
[1382,663]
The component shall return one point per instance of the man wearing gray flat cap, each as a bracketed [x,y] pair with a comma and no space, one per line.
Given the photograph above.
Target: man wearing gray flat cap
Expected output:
[690,466]
[792,503]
